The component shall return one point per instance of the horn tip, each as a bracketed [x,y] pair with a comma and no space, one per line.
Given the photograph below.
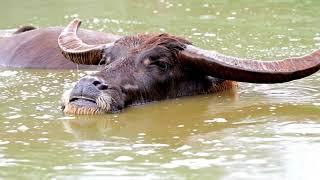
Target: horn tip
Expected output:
[76,22]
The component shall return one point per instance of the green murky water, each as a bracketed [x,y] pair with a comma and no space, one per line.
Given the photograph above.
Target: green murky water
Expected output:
[264,132]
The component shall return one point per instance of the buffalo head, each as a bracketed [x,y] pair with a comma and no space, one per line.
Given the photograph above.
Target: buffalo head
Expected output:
[143,68]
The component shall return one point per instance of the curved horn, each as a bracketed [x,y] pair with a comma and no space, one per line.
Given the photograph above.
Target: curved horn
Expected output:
[75,50]
[253,71]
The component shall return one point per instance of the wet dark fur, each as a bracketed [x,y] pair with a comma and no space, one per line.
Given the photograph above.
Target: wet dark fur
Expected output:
[137,43]
[131,80]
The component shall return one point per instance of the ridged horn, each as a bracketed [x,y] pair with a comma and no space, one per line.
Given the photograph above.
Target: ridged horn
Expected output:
[75,50]
[252,71]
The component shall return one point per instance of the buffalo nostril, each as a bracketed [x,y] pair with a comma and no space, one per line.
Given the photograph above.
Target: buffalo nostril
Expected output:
[103,87]
[100,85]
[96,83]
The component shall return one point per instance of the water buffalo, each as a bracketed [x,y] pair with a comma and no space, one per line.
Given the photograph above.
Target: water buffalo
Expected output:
[29,47]
[144,68]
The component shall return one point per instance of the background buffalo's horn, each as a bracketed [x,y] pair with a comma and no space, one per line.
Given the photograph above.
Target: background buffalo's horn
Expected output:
[253,71]
[77,51]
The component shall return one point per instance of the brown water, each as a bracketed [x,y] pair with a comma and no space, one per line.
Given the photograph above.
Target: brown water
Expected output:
[264,132]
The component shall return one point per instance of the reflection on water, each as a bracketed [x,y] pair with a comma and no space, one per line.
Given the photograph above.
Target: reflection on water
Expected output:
[261,132]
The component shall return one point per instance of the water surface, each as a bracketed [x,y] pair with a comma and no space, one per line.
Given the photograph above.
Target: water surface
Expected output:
[261,132]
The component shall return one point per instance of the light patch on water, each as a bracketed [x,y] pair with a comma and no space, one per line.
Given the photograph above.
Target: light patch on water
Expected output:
[45,89]
[23,128]
[23,143]
[43,139]
[16,116]
[302,161]
[193,163]
[218,120]
[4,142]
[255,162]
[238,156]
[59,168]
[294,39]
[145,152]
[202,154]
[205,5]
[67,118]
[301,129]
[316,38]
[45,116]
[207,17]
[7,162]
[124,158]
[197,34]
[231,18]
[183,148]
[8,73]
[149,145]
[12,131]
[210,34]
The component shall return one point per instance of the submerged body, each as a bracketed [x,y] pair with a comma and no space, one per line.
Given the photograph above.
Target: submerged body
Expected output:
[38,48]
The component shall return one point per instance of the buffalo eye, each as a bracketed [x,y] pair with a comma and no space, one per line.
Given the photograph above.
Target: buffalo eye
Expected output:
[154,57]
[159,61]
[161,65]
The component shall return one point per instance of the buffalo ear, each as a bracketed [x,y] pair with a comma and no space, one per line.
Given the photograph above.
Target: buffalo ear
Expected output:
[172,43]
[252,71]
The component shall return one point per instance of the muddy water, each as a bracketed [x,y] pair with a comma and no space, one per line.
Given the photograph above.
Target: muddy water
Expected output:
[261,132]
